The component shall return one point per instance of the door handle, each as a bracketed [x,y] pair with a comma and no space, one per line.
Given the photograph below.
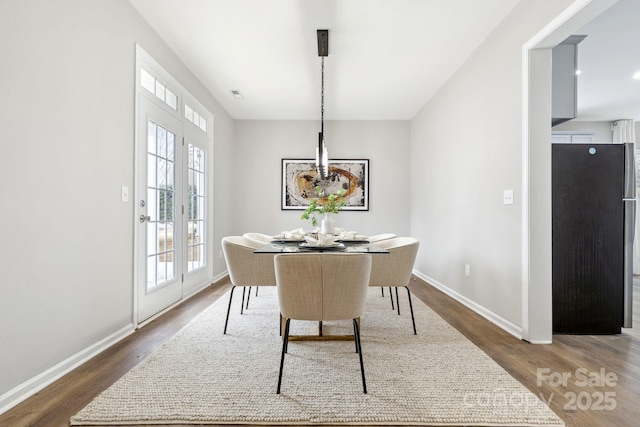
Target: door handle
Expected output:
[144,218]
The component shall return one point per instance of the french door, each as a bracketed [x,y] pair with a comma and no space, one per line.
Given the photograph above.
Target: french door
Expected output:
[173,135]
[160,232]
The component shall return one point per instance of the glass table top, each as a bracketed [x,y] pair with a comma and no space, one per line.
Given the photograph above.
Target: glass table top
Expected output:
[280,246]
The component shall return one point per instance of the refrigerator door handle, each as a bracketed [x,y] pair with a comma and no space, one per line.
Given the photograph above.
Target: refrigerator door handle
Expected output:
[629,171]
[629,234]
[629,199]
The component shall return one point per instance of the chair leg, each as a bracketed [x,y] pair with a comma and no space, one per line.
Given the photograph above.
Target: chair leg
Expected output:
[382,289]
[411,308]
[257,290]
[356,329]
[391,295]
[354,337]
[244,290]
[397,301]
[229,309]
[286,338]
[284,350]
[248,296]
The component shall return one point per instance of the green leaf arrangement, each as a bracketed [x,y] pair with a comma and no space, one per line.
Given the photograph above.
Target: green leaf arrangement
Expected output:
[334,202]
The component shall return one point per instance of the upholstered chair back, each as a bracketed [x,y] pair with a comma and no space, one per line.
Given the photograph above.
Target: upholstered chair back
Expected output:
[245,267]
[384,236]
[322,286]
[395,268]
[257,240]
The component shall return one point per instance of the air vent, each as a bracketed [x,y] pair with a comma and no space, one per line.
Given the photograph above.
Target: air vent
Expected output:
[236,94]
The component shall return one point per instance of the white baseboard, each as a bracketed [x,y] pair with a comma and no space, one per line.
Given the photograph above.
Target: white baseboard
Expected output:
[540,342]
[203,285]
[185,297]
[220,276]
[494,318]
[37,383]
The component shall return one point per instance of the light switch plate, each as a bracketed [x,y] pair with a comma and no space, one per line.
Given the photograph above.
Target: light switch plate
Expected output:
[508,197]
[125,193]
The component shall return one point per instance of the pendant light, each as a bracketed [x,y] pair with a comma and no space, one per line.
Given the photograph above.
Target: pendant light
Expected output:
[322,154]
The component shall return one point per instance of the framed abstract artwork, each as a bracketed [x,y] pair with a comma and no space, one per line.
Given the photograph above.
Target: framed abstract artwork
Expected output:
[300,179]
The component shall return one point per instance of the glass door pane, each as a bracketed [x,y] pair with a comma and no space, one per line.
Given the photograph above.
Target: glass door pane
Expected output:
[161,206]
[196,227]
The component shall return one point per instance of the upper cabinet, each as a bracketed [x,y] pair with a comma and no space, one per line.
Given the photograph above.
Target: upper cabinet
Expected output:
[564,83]
[570,137]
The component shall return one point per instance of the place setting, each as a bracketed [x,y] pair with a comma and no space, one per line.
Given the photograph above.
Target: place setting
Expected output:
[350,237]
[315,240]
[293,236]
[322,242]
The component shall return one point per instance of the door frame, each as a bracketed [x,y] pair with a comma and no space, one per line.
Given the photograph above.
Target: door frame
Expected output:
[536,165]
[201,278]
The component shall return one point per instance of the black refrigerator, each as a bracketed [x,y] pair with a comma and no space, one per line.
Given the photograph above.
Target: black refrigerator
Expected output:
[593,218]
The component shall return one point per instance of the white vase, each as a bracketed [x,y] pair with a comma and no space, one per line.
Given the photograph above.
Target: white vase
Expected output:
[327,226]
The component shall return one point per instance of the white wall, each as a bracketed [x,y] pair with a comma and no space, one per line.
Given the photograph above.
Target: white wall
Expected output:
[261,146]
[67,114]
[466,149]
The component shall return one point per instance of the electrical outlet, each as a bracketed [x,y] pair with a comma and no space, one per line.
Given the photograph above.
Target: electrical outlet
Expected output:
[508,197]
[467,270]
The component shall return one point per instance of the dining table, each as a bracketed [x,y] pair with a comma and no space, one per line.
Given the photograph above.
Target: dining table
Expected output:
[299,246]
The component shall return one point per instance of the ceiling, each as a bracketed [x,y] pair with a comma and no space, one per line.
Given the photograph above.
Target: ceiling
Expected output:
[386,58]
[609,57]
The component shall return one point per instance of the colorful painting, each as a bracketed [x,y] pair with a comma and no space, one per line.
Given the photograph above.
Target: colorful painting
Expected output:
[300,178]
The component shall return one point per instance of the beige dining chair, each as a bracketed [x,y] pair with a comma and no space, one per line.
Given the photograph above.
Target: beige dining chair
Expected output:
[384,236]
[245,268]
[376,238]
[395,269]
[258,239]
[322,287]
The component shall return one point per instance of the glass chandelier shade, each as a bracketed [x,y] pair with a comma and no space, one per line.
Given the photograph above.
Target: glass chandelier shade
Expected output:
[322,157]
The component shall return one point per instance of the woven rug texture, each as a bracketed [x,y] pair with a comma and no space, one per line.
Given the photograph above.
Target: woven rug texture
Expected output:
[200,376]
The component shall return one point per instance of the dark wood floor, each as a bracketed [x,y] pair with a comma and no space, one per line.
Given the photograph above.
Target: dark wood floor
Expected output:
[597,403]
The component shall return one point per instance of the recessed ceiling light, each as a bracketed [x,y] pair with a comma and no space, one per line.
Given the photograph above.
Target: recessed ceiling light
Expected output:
[578,72]
[637,75]
[236,94]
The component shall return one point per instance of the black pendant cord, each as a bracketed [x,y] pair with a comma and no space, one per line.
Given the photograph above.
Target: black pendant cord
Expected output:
[321,165]
[321,153]
[322,96]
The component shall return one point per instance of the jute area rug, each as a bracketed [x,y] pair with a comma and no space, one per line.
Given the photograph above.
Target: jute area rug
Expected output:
[200,376]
